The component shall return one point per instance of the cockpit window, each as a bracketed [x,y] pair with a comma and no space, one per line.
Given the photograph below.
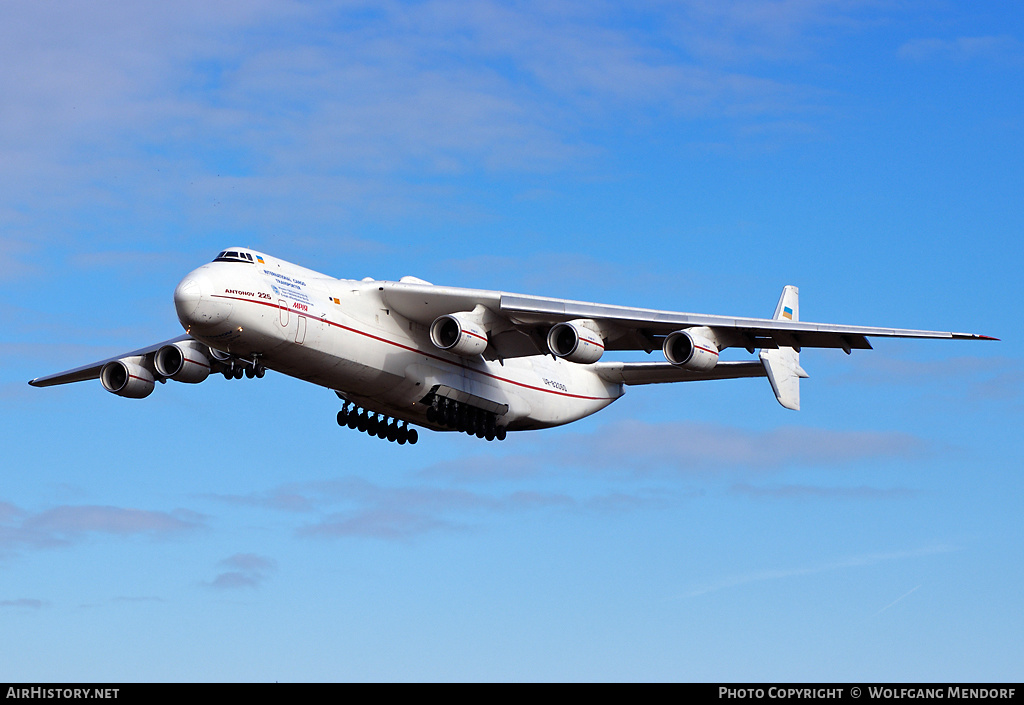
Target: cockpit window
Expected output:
[232,256]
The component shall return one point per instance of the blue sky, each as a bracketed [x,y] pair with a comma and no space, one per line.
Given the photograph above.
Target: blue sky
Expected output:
[690,156]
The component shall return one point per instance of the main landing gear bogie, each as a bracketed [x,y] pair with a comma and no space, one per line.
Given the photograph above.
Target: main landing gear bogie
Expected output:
[379,425]
[465,419]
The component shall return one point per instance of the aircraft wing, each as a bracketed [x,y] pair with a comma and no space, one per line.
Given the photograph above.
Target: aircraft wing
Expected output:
[519,322]
[747,332]
[92,371]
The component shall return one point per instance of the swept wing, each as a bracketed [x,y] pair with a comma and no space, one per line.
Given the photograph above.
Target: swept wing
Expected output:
[519,322]
[92,371]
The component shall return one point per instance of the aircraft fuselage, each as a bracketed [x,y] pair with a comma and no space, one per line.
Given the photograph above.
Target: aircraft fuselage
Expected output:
[342,335]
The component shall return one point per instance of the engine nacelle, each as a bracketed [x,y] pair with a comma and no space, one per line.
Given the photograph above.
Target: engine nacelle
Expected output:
[127,378]
[575,342]
[183,362]
[692,348]
[457,334]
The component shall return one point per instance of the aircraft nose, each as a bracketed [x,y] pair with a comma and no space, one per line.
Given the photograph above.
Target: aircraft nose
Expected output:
[195,303]
[187,296]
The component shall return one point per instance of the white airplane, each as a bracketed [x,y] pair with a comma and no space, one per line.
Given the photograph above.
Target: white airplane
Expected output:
[446,358]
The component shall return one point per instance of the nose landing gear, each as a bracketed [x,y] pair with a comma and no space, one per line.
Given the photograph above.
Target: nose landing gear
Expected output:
[235,367]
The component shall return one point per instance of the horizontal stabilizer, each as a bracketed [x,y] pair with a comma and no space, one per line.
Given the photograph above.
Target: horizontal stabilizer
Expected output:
[662,372]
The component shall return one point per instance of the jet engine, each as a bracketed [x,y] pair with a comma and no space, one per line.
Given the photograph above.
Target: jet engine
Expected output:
[692,348]
[457,334]
[576,342]
[183,362]
[127,378]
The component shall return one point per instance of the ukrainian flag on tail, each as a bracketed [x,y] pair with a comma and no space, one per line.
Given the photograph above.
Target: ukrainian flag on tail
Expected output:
[789,305]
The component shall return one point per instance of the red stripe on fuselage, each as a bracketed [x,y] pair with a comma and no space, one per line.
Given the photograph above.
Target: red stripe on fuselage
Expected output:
[271,304]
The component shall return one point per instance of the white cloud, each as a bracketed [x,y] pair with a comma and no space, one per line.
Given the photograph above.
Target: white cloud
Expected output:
[628,467]
[244,570]
[380,523]
[67,524]
[815,492]
[25,603]
[967,377]
[126,108]
[376,511]
[688,447]
[1000,48]
[569,274]
[842,564]
[70,521]
[683,448]
[354,507]
[146,599]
